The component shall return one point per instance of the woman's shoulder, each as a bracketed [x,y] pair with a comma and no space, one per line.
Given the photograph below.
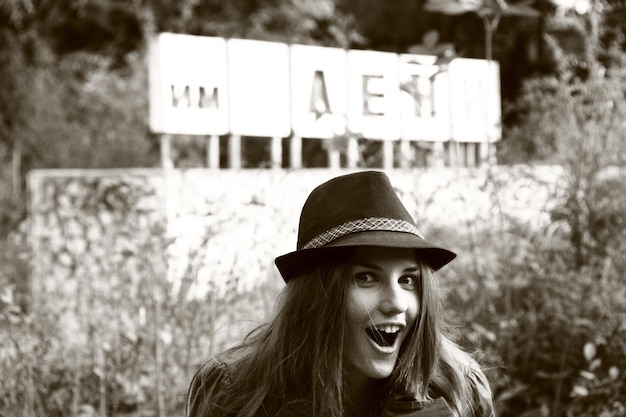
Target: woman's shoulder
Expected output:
[406,406]
[481,392]
[461,380]
[214,371]
[210,383]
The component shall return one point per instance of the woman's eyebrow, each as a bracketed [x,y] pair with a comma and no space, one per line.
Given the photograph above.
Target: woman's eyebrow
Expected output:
[412,268]
[367,265]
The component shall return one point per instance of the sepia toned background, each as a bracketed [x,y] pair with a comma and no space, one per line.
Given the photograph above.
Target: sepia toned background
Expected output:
[129,255]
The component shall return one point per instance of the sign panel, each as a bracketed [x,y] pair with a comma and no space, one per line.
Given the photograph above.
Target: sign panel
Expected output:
[318,91]
[188,88]
[373,91]
[475,107]
[424,99]
[259,88]
[212,86]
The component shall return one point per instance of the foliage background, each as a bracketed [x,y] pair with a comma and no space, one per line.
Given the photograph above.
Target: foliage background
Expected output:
[544,305]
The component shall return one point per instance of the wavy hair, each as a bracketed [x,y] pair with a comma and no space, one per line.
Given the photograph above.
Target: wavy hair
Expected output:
[298,357]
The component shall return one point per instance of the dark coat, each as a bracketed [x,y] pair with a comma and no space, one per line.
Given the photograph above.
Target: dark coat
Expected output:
[210,385]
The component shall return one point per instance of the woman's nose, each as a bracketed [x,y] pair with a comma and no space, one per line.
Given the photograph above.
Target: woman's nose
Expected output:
[393,299]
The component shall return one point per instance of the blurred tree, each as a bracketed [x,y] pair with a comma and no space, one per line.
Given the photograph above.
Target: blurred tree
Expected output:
[110,28]
[392,26]
[68,101]
[297,21]
[550,119]
[72,67]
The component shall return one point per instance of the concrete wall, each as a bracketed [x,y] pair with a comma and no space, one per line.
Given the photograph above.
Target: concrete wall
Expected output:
[219,230]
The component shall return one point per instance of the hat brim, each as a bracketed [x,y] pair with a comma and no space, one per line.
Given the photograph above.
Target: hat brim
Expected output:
[298,261]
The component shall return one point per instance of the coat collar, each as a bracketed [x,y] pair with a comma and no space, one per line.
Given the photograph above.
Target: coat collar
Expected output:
[406,406]
[395,406]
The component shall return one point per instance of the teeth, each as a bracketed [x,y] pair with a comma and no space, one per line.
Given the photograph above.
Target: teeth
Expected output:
[389,329]
[385,336]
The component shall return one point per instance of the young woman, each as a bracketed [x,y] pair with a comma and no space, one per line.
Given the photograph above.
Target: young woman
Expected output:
[358,331]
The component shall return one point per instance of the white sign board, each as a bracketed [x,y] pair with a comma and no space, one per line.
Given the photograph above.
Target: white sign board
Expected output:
[259,88]
[213,86]
[373,91]
[474,109]
[424,99]
[318,91]
[188,85]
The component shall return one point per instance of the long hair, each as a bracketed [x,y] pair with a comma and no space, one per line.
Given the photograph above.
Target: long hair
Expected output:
[298,357]
[455,375]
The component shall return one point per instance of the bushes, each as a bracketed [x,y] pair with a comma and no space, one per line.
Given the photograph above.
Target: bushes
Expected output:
[106,332]
[552,332]
[544,305]
[551,315]
[131,353]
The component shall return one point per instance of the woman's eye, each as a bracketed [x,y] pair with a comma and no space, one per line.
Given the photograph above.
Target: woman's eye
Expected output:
[363,277]
[408,281]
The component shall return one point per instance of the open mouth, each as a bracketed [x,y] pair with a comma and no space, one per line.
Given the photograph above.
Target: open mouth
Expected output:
[383,337]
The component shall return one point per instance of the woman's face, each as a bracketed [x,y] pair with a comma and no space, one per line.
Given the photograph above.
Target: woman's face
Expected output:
[382,307]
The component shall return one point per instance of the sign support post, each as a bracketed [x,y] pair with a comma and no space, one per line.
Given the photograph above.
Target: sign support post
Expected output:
[387,154]
[234,152]
[166,151]
[213,152]
[277,152]
[295,152]
[353,152]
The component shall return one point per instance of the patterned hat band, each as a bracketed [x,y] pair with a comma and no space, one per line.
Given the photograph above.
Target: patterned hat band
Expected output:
[362,225]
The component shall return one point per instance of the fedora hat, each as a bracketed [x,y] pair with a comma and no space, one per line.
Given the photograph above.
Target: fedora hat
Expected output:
[358,209]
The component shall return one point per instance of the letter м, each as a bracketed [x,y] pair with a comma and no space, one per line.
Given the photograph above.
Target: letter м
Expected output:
[209,102]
